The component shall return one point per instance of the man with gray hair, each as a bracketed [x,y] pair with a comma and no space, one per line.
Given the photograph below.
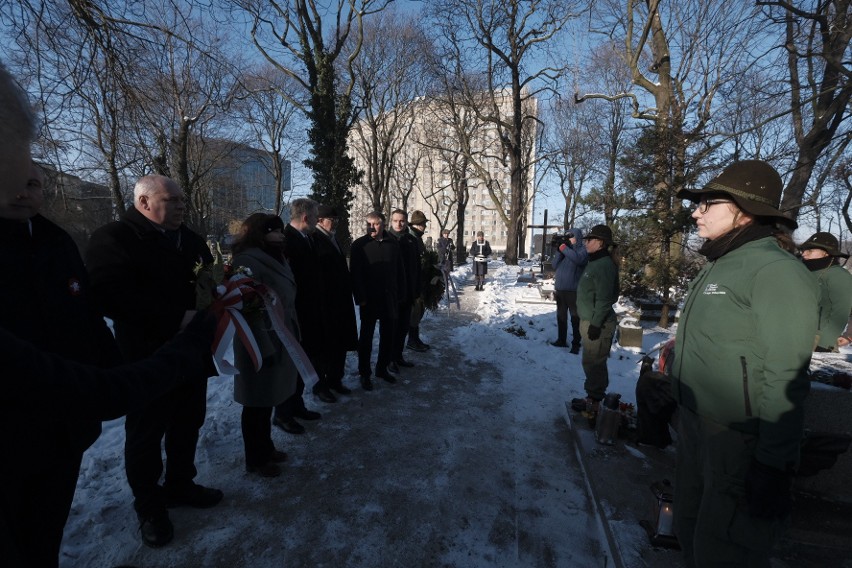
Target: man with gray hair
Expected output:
[143,277]
[301,253]
[17,130]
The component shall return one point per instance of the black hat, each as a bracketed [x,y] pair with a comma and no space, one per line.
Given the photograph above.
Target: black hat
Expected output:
[274,222]
[754,186]
[601,232]
[823,241]
[326,212]
[418,218]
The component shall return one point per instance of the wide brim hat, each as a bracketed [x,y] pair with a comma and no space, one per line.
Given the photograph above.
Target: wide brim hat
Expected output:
[418,218]
[326,212]
[753,185]
[601,232]
[824,241]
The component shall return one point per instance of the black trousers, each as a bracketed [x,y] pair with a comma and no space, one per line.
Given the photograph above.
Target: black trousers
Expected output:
[566,301]
[34,507]
[335,365]
[401,331]
[175,417]
[387,325]
[256,423]
[293,405]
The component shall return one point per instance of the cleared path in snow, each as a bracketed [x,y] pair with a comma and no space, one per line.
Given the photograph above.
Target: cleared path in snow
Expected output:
[454,466]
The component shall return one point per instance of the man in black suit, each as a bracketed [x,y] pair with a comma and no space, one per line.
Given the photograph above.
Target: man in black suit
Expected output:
[378,281]
[300,253]
[142,270]
[337,303]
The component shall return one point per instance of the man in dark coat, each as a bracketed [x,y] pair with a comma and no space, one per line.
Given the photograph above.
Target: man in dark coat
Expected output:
[143,277]
[337,301]
[409,248]
[300,253]
[45,301]
[378,279]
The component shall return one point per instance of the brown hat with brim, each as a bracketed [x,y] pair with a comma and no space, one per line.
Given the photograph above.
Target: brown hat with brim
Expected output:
[753,185]
[824,241]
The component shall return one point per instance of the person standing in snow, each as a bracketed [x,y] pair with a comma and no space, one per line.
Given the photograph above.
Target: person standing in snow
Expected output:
[742,351]
[416,229]
[480,250]
[300,254]
[569,260]
[409,249]
[446,249]
[341,337]
[143,271]
[259,248]
[820,254]
[378,283]
[51,343]
[596,293]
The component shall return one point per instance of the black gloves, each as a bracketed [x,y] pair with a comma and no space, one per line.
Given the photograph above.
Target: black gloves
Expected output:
[202,327]
[767,491]
[594,332]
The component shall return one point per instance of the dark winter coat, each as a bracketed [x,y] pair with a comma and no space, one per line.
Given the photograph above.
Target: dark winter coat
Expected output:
[275,381]
[446,248]
[304,263]
[46,301]
[337,286]
[378,276]
[410,254]
[744,345]
[569,263]
[598,289]
[143,282]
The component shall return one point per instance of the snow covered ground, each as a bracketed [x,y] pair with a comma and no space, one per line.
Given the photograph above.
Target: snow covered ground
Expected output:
[503,346]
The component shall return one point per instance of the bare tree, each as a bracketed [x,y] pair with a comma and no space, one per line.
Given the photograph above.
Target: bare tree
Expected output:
[267,110]
[389,74]
[296,40]
[678,60]
[496,41]
[816,39]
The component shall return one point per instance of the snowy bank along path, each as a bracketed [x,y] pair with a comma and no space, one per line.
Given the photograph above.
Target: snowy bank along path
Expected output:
[467,461]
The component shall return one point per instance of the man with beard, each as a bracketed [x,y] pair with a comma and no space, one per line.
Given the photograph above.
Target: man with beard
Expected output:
[337,301]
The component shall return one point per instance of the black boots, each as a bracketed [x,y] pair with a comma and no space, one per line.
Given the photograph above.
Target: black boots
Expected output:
[414,342]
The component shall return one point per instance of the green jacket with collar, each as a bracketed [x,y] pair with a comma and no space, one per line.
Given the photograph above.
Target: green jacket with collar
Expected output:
[835,286]
[744,344]
[598,289]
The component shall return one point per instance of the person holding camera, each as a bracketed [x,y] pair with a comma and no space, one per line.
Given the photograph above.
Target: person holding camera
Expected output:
[569,260]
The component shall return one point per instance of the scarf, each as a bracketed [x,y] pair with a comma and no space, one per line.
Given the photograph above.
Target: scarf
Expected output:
[732,240]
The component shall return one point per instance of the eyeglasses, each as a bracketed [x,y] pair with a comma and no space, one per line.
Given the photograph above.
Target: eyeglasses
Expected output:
[705,204]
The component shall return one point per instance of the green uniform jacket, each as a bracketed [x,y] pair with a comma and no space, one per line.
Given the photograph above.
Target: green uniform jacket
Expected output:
[835,287]
[744,344]
[598,290]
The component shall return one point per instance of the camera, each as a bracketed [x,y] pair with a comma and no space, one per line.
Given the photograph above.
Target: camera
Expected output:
[559,239]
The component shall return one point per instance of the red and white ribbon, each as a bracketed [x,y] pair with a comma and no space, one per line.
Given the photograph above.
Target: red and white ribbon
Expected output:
[229,302]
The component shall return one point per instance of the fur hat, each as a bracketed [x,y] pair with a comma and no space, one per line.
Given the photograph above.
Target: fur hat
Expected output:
[754,186]
[418,218]
[326,212]
[824,241]
[601,232]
